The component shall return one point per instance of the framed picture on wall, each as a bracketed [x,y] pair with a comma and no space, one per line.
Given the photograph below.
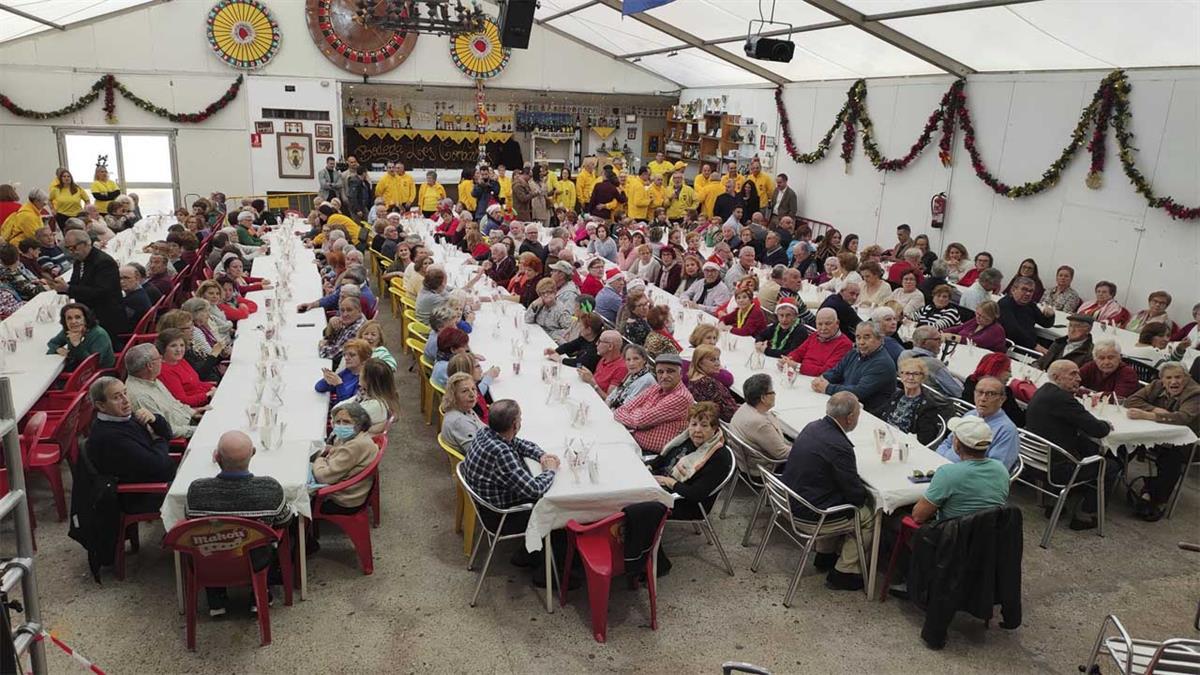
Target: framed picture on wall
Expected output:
[294,152]
[267,127]
[293,128]
[631,133]
[323,131]
[324,146]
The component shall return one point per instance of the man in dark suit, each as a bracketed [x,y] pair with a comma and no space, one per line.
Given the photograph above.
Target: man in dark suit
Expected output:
[95,281]
[237,492]
[821,468]
[843,303]
[1020,315]
[1055,415]
[784,201]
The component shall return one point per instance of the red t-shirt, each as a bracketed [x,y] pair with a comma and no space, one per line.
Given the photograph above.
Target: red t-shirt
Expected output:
[609,373]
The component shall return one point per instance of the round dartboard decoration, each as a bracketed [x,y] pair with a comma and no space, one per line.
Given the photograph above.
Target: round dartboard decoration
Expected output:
[243,33]
[478,53]
[352,45]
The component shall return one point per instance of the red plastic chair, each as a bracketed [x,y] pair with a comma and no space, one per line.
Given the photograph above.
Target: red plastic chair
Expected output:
[908,527]
[79,378]
[64,426]
[130,521]
[43,458]
[373,498]
[216,554]
[357,525]
[146,323]
[32,519]
[119,370]
[603,558]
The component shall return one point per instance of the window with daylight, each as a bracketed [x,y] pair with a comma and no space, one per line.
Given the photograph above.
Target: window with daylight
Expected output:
[139,161]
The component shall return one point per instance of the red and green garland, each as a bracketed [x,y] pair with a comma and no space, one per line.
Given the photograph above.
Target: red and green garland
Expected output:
[110,86]
[1109,107]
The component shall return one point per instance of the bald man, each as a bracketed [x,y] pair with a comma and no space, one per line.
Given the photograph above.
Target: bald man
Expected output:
[610,369]
[237,492]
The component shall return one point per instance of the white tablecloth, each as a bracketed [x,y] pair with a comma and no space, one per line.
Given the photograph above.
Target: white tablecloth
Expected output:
[304,409]
[30,368]
[1131,432]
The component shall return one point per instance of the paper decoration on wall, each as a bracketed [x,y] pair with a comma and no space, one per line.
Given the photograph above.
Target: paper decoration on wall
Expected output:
[352,46]
[479,54]
[243,33]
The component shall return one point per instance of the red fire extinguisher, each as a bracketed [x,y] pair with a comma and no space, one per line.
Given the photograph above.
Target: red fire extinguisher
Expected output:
[937,206]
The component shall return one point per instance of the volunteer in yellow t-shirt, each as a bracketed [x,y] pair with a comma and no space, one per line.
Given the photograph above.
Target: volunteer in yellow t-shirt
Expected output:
[104,189]
[430,194]
[680,197]
[660,166]
[66,197]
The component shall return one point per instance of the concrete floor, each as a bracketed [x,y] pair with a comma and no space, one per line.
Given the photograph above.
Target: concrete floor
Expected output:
[412,614]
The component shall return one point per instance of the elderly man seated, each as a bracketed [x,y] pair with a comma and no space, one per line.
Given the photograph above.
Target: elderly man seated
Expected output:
[1056,415]
[823,348]
[1107,373]
[865,371]
[659,413]
[143,363]
[1075,346]
[501,267]
[131,444]
[926,343]
[342,327]
[1004,439]
[135,300]
[786,334]
[237,492]
[843,303]
[707,293]
[822,469]
[755,424]
[989,282]
[743,267]
[353,283]
[1020,315]
[973,482]
[1174,398]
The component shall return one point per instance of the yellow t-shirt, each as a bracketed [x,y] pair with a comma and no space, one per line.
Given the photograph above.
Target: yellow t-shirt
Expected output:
[663,168]
[708,197]
[677,205]
[352,227]
[408,189]
[505,189]
[102,187]
[429,196]
[390,189]
[638,198]
[566,195]
[737,185]
[658,197]
[764,184]
[699,183]
[584,182]
[22,224]
[68,203]
[464,194]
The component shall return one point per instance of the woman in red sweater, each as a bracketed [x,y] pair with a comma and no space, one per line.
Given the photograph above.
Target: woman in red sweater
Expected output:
[593,282]
[177,374]
[748,317]
[236,269]
[233,305]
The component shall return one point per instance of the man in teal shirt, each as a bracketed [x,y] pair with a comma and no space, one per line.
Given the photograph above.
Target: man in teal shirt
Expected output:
[976,482]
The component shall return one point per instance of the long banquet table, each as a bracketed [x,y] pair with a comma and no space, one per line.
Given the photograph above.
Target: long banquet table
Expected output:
[301,410]
[28,362]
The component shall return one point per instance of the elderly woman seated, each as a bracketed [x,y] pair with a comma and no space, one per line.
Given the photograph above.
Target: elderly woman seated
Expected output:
[582,351]
[351,451]
[467,363]
[233,305]
[145,390]
[1107,373]
[748,317]
[939,313]
[220,325]
[639,374]
[756,425]
[372,332]
[204,340]
[1174,398]
[631,320]
[660,340]
[709,292]
[177,374]
[911,409]
[376,393]
[549,312]
[786,334]
[693,464]
[80,337]
[1105,307]
[1158,303]
[702,382]
[344,384]
[460,422]
[707,334]
[983,329]
[451,341]
[342,328]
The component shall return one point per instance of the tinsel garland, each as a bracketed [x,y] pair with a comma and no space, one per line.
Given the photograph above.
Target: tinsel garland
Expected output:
[1109,107]
[110,84]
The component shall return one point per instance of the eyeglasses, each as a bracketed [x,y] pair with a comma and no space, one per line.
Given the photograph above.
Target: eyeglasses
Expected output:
[989,394]
[911,374]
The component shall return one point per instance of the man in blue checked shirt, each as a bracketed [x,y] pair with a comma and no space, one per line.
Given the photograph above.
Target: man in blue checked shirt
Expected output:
[989,396]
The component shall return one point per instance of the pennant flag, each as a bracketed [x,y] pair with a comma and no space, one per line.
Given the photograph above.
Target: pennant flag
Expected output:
[636,6]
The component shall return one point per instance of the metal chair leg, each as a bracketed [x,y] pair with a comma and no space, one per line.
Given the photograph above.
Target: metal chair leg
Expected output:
[483,575]
[729,496]
[763,545]
[1179,487]
[762,498]
[475,548]
[716,541]
[1100,491]
[1058,507]
[795,583]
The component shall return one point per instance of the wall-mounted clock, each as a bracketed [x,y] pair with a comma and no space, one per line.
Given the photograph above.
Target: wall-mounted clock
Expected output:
[352,46]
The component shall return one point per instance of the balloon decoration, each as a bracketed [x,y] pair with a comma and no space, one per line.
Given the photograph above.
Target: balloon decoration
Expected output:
[479,54]
[243,33]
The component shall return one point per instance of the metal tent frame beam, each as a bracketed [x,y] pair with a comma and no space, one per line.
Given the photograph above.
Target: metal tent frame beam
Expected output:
[893,37]
[31,17]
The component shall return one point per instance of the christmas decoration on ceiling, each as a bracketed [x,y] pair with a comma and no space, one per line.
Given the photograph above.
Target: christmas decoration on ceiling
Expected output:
[352,45]
[110,86]
[243,33]
[479,54]
[1109,107]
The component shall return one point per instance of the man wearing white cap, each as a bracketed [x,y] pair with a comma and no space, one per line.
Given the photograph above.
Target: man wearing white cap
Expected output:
[563,274]
[976,482]
[710,292]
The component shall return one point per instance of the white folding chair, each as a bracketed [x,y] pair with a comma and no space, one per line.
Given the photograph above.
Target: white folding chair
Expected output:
[834,521]
[1037,453]
[703,522]
[493,536]
[1177,656]
[1023,354]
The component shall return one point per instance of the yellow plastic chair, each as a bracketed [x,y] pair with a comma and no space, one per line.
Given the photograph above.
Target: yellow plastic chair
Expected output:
[418,329]
[426,385]
[414,347]
[437,391]
[373,256]
[396,293]
[464,510]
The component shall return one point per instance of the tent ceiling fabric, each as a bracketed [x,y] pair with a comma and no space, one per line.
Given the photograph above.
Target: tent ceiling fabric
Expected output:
[61,12]
[983,35]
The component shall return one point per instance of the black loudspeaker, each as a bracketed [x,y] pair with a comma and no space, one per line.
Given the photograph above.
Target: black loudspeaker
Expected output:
[516,22]
[766,49]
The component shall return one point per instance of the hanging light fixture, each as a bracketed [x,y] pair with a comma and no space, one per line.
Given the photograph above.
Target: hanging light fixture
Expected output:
[434,17]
